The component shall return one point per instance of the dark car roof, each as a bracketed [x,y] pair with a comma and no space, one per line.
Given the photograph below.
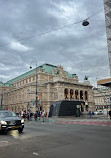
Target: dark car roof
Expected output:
[8,118]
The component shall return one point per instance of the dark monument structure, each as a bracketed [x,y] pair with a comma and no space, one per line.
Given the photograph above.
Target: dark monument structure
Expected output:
[66,108]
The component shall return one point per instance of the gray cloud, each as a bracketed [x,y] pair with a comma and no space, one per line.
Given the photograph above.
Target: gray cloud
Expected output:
[81,50]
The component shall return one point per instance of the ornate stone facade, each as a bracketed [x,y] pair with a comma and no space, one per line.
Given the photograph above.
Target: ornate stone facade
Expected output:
[53,84]
[102,98]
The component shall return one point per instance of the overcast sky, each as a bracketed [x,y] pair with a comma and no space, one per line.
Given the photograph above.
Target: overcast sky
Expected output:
[80,50]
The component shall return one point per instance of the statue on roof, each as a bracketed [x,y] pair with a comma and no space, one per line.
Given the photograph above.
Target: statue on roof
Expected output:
[86,78]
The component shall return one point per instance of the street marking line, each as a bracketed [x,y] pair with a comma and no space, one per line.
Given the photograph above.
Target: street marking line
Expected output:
[4,142]
[35,153]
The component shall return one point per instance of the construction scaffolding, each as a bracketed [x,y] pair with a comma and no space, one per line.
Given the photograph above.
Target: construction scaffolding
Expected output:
[107,8]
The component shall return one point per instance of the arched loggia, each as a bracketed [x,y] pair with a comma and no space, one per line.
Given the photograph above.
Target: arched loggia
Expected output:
[71,94]
[76,94]
[81,94]
[66,93]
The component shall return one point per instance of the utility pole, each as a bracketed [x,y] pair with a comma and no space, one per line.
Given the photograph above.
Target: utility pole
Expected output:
[36,81]
[1,97]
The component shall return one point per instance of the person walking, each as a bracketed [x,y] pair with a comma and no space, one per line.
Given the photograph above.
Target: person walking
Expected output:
[110,114]
[43,115]
[31,114]
[19,113]
[28,113]
[22,113]
[39,113]
[36,115]
[90,113]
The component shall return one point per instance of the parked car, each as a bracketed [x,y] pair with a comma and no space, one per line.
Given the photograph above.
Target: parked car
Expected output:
[10,121]
[98,112]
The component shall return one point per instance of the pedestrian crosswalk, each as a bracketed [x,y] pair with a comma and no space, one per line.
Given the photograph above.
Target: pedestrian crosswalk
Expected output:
[86,122]
[64,121]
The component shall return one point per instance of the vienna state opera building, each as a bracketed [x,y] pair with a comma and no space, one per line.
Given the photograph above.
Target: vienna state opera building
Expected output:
[47,85]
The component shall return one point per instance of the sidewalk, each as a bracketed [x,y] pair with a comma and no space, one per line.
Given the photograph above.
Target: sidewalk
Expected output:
[82,117]
[72,118]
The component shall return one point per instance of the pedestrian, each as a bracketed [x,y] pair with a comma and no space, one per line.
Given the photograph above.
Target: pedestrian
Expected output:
[19,113]
[46,114]
[36,115]
[22,113]
[39,113]
[28,113]
[31,114]
[43,115]
[92,114]
[110,114]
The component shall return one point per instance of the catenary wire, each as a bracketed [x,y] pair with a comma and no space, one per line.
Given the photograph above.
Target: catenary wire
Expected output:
[59,28]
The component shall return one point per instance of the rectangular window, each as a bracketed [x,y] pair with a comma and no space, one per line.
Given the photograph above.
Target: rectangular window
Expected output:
[33,78]
[30,79]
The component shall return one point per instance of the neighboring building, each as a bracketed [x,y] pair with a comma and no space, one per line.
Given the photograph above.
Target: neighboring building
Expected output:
[102,97]
[53,84]
[4,88]
[107,8]
[104,82]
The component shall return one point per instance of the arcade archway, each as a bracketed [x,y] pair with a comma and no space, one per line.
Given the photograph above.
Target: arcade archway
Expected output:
[81,94]
[71,94]
[66,93]
[76,94]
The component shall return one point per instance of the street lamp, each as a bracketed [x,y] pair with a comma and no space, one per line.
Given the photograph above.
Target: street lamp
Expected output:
[85,23]
[36,79]
[1,97]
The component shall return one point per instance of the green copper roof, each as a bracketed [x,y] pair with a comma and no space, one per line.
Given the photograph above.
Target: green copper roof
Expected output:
[48,69]
[29,73]
[4,84]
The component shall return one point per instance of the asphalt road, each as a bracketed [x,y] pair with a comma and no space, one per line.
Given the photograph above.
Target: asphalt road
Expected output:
[57,139]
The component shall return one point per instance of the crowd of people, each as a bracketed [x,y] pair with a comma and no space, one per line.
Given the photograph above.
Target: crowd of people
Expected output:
[39,115]
[42,115]
[92,113]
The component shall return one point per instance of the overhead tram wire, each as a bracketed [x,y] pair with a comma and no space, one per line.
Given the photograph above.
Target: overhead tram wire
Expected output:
[95,14]
[43,33]
[59,28]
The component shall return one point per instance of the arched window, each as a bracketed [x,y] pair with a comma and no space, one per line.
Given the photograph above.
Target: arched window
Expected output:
[86,95]
[76,94]
[66,93]
[71,94]
[81,94]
